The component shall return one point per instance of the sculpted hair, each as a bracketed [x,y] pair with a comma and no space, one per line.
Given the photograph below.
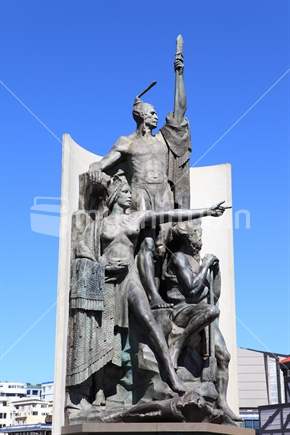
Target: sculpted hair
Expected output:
[139,110]
[138,115]
[114,188]
[181,229]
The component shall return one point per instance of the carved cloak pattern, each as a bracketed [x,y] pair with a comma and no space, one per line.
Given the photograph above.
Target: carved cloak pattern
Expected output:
[177,138]
[91,331]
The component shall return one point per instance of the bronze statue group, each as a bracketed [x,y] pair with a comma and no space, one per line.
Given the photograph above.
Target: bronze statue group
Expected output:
[143,341]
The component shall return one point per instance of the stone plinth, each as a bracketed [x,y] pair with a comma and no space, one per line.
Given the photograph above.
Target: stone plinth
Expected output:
[155,428]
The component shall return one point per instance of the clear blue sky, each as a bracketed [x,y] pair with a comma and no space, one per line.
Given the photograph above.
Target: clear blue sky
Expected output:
[78,66]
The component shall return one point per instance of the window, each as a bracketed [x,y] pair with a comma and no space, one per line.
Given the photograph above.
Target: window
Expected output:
[252,424]
[28,392]
[35,413]
[34,392]
[256,424]
[4,403]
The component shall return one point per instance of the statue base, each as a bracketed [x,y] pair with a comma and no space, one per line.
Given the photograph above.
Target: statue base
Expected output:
[155,428]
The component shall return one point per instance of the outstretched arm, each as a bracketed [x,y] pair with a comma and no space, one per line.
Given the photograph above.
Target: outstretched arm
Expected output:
[152,218]
[180,96]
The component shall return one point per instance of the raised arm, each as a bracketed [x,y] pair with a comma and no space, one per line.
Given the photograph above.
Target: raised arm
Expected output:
[179,96]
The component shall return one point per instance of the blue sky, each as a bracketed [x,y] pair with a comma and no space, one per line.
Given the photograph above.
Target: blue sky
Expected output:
[77,66]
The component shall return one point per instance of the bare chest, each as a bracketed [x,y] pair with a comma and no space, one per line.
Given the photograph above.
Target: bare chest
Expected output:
[152,149]
[149,160]
[120,229]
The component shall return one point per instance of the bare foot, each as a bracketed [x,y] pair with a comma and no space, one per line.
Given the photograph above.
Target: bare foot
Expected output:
[227,410]
[177,386]
[157,303]
[100,399]
[175,383]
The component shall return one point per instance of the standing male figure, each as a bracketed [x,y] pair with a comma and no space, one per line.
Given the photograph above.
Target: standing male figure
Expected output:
[157,170]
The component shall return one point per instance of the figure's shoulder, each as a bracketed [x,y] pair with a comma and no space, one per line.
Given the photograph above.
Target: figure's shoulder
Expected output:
[159,136]
[139,215]
[132,221]
[122,144]
[178,259]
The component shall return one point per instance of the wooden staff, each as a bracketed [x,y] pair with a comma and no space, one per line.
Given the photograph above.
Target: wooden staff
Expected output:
[178,55]
[209,371]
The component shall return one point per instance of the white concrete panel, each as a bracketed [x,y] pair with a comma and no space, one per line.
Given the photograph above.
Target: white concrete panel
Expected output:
[209,185]
[75,161]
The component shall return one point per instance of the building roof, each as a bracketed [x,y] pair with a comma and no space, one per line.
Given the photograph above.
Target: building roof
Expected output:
[271,354]
[26,428]
[27,400]
[285,360]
